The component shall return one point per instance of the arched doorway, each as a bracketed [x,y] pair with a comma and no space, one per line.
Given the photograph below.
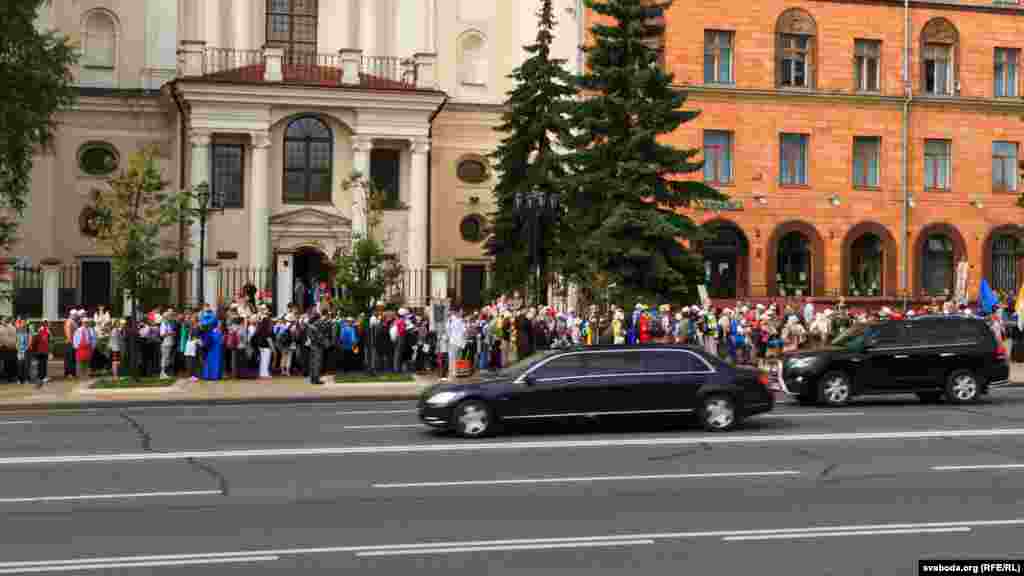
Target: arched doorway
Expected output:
[725,260]
[311,268]
[866,261]
[793,269]
[937,265]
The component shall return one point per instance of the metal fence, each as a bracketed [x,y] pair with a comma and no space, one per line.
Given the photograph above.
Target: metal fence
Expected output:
[28,292]
[68,294]
[231,282]
[380,72]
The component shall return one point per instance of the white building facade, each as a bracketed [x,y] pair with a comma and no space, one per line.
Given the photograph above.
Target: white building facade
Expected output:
[274,104]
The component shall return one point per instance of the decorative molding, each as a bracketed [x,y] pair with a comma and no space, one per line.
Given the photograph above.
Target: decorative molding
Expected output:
[419,145]
[1007,9]
[796,21]
[199,138]
[939,31]
[260,139]
[362,143]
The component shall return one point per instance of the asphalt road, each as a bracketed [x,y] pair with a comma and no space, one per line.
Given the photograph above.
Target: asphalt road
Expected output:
[867,489]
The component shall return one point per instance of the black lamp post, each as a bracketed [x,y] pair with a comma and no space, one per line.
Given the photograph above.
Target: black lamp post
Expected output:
[537,209]
[206,203]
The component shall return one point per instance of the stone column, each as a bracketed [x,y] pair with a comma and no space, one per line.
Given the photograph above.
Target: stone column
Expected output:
[190,57]
[273,59]
[51,290]
[241,18]
[200,174]
[361,148]
[368,27]
[259,202]
[418,217]
[212,285]
[285,281]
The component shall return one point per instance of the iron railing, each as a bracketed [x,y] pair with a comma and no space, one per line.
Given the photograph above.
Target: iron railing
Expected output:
[28,292]
[377,72]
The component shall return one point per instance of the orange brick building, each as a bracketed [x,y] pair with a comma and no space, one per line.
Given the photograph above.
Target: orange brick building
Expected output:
[807,124]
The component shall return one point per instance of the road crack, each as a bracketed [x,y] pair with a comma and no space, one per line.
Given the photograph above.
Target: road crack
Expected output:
[222,481]
[144,436]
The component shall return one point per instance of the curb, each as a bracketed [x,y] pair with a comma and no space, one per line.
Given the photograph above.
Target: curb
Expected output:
[149,403]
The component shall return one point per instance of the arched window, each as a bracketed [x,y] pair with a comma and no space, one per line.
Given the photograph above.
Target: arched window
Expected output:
[291,24]
[866,260]
[98,159]
[937,265]
[308,155]
[473,65]
[99,40]
[1005,250]
[939,57]
[796,41]
[793,273]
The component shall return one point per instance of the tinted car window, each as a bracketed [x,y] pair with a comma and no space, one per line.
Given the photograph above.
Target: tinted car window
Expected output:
[931,333]
[616,362]
[890,334]
[676,361]
[560,367]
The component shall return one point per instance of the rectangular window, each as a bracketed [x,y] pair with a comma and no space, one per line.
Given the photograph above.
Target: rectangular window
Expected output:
[717,156]
[226,169]
[938,69]
[1006,72]
[867,57]
[796,60]
[793,160]
[385,175]
[292,25]
[1004,166]
[718,57]
[866,152]
[937,164]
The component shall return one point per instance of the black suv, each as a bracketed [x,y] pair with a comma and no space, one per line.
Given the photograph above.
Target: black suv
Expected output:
[956,357]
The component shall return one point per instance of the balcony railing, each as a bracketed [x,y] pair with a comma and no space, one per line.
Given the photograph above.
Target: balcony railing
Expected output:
[349,68]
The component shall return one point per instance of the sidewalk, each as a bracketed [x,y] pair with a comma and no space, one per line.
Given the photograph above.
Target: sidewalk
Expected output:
[67,394]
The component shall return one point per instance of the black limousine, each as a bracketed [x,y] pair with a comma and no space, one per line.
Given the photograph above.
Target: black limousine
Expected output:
[601,381]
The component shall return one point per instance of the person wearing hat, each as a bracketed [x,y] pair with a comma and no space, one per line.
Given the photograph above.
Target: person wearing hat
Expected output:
[84,344]
[70,326]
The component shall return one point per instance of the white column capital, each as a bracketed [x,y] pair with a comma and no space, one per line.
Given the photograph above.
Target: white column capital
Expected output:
[199,138]
[260,140]
[419,145]
[362,143]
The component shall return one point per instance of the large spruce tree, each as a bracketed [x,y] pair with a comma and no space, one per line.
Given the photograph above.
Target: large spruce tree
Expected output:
[535,123]
[624,187]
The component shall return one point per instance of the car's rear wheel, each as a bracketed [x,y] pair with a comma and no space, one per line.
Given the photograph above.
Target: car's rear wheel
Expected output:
[834,389]
[719,414]
[930,397]
[962,387]
[473,419]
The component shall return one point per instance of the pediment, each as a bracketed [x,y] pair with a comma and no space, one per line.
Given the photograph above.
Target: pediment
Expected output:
[304,217]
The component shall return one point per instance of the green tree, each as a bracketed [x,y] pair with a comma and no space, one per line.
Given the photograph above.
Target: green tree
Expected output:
[366,272]
[35,82]
[624,186]
[133,215]
[535,124]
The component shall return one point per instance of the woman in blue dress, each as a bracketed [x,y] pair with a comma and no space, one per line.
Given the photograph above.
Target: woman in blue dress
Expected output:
[213,341]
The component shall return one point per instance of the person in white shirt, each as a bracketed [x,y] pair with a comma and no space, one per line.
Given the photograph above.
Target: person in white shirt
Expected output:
[456,340]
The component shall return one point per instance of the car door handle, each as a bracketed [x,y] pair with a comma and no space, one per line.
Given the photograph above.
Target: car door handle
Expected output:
[947,354]
[901,356]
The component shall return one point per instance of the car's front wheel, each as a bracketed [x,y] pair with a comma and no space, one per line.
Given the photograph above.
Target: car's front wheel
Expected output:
[835,389]
[473,419]
[962,387]
[719,414]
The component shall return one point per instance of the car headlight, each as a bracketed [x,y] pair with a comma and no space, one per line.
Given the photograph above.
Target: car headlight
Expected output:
[444,398]
[798,363]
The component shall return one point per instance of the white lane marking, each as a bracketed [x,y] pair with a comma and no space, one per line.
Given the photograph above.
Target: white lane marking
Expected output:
[977,467]
[525,541]
[804,535]
[383,426]
[536,445]
[113,565]
[808,414]
[13,422]
[125,495]
[455,550]
[374,412]
[571,479]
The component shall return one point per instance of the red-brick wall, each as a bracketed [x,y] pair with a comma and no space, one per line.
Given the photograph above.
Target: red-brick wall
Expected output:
[756,112]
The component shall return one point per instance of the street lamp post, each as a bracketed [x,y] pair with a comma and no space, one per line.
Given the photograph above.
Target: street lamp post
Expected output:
[537,209]
[206,202]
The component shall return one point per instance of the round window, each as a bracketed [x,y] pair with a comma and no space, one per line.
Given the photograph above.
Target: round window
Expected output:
[472,170]
[472,228]
[97,159]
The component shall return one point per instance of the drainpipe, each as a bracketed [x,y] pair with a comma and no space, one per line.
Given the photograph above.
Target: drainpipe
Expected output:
[908,96]
[182,150]
[430,185]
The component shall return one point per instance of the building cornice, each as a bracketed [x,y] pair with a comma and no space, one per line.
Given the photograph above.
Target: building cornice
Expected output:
[1001,105]
[994,7]
[137,103]
[311,96]
[475,107]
